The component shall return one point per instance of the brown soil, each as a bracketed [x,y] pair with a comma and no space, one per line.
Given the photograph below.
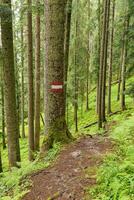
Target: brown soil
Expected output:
[67,178]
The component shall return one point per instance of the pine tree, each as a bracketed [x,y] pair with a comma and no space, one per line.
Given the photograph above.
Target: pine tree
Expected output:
[75,71]
[55,124]
[67,43]
[30,82]
[123,75]
[2,102]
[22,85]
[103,113]
[88,58]
[1,169]
[9,84]
[37,78]
[101,64]
[111,58]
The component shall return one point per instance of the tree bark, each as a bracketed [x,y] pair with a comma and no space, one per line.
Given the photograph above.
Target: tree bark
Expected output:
[1,169]
[30,83]
[9,84]
[75,73]
[88,59]
[37,78]
[2,102]
[55,124]
[105,63]
[22,86]
[103,39]
[111,59]
[17,84]
[67,42]
[100,30]
[99,49]
[3,116]
[120,71]
[125,42]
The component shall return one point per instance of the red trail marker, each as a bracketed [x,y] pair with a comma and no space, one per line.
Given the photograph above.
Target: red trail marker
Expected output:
[57,86]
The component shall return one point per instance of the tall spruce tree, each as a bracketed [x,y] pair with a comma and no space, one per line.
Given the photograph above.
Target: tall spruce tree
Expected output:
[55,124]
[37,79]
[9,84]
[111,58]
[30,82]
[124,57]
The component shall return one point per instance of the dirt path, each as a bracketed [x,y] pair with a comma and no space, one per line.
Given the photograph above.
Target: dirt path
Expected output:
[66,179]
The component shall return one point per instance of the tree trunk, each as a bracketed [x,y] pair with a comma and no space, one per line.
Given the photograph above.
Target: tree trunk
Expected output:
[22,85]
[103,39]
[111,59]
[17,88]
[82,97]
[37,79]
[9,85]
[67,42]
[105,63]
[125,42]
[67,112]
[55,125]
[1,170]
[88,59]
[3,117]
[87,84]
[30,83]
[2,103]
[120,71]
[99,50]
[75,73]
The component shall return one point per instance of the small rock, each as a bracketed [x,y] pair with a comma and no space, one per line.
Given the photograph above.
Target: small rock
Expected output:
[76,170]
[76,154]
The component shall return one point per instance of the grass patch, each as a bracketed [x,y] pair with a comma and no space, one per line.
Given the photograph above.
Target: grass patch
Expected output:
[115,178]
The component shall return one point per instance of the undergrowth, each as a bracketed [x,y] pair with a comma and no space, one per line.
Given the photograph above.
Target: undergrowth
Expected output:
[115,178]
[10,187]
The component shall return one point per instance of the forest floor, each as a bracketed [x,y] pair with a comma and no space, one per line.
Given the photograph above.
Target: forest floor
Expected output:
[67,178]
[92,167]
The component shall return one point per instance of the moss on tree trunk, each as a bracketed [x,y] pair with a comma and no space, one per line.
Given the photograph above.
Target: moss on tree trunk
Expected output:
[55,124]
